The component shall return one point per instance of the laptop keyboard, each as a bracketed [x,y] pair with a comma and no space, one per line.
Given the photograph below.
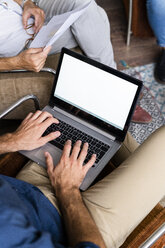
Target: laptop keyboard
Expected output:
[69,132]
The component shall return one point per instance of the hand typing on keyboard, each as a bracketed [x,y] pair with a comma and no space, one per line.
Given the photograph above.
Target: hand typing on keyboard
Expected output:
[69,132]
[71,170]
[28,135]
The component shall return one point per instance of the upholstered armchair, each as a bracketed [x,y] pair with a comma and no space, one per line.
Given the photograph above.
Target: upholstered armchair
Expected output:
[16,84]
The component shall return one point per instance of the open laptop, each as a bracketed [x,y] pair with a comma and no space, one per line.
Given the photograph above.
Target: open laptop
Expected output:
[94,103]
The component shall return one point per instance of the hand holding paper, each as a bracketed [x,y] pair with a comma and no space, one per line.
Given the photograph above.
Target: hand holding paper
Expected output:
[56,27]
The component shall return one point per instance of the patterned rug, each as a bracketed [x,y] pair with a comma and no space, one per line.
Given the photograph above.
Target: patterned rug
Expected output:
[153,101]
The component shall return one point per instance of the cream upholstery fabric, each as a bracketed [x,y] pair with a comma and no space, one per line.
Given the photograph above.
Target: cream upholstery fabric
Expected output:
[15,85]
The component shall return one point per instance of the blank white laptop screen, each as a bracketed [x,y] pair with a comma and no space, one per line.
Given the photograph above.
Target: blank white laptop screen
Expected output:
[95,91]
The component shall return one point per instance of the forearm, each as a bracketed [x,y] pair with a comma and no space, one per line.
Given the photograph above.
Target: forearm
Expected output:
[7,144]
[79,224]
[11,63]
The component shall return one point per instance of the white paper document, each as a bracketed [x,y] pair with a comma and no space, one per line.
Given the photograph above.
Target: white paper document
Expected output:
[58,24]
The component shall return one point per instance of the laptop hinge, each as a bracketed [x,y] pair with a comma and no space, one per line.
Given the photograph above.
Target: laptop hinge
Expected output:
[102,132]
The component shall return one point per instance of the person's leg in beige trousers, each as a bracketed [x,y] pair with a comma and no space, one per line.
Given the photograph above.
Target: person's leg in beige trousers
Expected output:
[120,201]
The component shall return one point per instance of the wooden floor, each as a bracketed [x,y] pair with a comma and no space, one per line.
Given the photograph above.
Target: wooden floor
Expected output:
[141,50]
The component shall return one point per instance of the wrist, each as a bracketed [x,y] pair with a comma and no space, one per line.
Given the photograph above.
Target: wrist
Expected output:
[68,196]
[17,62]
[13,62]
[28,3]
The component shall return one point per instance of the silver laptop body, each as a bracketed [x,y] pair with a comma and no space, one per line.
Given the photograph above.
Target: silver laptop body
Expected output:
[96,103]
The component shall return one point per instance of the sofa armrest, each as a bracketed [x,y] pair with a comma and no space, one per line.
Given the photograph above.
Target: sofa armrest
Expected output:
[11,163]
[142,233]
[19,102]
[44,69]
[18,83]
[157,236]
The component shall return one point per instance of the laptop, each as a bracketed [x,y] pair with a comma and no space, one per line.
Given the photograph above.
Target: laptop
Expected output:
[93,103]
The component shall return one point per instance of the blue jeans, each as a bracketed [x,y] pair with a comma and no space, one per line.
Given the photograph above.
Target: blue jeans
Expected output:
[156,17]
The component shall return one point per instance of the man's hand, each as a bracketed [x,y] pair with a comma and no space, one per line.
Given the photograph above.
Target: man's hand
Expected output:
[29,134]
[32,59]
[70,171]
[66,179]
[31,10]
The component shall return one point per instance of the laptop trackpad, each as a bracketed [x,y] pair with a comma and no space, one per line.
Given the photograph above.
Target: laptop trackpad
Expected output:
[54,152]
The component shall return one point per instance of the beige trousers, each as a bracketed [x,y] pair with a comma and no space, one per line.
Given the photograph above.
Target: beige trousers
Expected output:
[120,201]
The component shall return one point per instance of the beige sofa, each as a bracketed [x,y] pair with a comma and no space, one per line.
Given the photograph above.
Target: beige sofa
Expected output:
[15,85]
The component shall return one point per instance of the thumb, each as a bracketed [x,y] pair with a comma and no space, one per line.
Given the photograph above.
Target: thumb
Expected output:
[35,50]
[47,50]
[49,162]
[25,18]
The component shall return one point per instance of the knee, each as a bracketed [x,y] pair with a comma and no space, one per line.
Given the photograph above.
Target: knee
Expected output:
[161,132]
[156,7]
[78,3]
[158,137]
[92,9]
